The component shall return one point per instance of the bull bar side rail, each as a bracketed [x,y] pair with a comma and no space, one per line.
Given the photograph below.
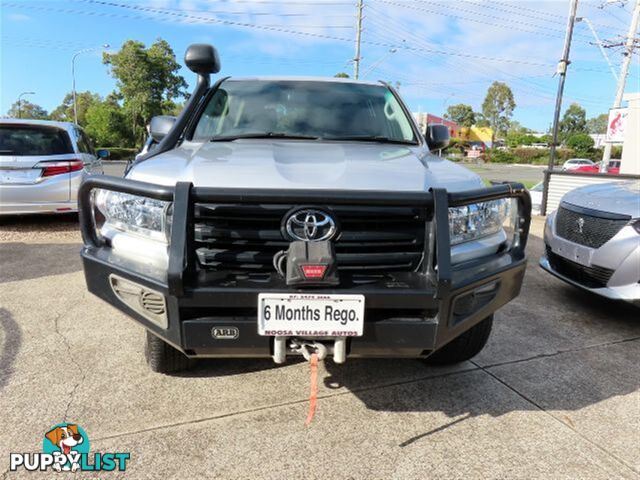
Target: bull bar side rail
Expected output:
[181,257]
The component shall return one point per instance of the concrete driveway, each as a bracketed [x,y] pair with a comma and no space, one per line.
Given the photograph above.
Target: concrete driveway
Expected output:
[554,394]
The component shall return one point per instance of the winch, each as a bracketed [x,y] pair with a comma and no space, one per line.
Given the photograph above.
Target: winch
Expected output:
[308,264]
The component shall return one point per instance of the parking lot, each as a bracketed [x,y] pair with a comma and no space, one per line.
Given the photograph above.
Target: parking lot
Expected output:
[554,394]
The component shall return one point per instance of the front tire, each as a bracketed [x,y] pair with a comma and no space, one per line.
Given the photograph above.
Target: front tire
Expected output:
[163,358]
[464,347]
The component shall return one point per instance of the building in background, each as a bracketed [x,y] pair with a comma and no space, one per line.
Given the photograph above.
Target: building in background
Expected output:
[478,136]
[425,119]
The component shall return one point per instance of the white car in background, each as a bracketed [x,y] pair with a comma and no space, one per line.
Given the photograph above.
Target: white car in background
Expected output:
[42,164]
[576,163]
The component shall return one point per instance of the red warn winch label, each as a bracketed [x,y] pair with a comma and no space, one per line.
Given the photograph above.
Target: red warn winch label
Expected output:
[313,271]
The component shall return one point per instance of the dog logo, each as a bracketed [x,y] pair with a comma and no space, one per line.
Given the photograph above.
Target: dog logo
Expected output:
[65,448]
[67,439]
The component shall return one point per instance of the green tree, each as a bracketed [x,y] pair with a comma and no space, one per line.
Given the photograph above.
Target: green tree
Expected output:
[462,114]
[598,124]
[26,109]
[146,79]
[498,107]
[546,138]
[581,143]
[84,100]
[519,139]
[64,111]
[106,124]
[516,127]
[481,121]
[573,121]
[341,75]
[173,108]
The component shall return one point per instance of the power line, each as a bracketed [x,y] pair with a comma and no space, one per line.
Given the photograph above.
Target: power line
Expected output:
[523,83]
[167,11]
[397,30]
[509,26]
[519,8]
[196,19]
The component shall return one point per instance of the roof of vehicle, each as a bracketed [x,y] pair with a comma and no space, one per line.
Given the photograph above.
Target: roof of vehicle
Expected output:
[308,79]
[27,121]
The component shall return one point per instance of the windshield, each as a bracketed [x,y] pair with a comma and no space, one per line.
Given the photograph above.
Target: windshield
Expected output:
[304,109]
[23,140]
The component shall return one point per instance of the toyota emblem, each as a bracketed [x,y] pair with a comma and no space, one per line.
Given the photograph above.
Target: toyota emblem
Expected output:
[310,226]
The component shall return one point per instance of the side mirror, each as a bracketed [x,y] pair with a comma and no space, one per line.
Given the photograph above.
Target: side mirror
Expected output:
[103,153]
[202,59]
[160,126]
[437,137]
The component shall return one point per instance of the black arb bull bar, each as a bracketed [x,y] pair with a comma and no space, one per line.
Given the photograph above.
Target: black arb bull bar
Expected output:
[406,314]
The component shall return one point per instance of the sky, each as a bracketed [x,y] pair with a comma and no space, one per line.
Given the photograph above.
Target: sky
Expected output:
[440,52]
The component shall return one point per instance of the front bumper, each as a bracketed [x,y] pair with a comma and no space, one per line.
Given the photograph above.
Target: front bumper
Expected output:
[406,314]
[620,256]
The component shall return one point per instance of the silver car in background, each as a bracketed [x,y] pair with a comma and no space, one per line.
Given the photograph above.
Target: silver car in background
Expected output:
[42,164]
[593,240]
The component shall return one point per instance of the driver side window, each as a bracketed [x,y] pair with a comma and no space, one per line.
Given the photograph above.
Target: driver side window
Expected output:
[221,112]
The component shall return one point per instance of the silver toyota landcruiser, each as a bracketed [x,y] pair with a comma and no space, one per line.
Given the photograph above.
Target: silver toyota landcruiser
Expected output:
[282,217]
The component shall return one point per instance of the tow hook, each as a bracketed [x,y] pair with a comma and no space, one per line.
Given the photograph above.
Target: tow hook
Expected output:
[307,348]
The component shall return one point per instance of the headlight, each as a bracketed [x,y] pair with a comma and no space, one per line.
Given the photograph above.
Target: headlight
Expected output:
[132,213]
[477,220]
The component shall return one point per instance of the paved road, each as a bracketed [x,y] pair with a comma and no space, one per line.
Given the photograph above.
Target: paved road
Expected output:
[508,172]
[554,394]
[115,169]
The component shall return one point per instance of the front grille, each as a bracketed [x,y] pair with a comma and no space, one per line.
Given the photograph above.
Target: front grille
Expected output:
[244,238]
[589,230]
[591,277]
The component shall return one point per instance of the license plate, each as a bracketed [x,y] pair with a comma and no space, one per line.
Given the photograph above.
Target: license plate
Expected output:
[310,315]
[29,175]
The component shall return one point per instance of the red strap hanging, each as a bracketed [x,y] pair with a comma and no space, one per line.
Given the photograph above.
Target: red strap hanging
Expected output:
[313,395]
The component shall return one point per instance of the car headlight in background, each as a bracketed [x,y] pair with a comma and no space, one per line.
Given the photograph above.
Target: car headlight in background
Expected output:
[478,220]
[132,213]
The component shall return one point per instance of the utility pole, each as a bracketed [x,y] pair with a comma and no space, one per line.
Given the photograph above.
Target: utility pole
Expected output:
[622,79]
[356,59]
[562,71]
[20,102]
[73,76]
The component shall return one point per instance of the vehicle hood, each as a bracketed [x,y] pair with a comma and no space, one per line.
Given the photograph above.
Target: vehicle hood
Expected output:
[618,197]
[293,164]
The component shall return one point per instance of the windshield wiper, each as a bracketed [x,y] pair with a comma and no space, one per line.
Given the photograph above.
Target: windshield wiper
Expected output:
[372,138]
[230,138]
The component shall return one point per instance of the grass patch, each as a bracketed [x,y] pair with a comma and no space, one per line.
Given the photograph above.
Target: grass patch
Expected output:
[527,183]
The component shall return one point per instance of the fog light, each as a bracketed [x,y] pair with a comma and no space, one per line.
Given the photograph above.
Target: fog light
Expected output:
[148,303]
